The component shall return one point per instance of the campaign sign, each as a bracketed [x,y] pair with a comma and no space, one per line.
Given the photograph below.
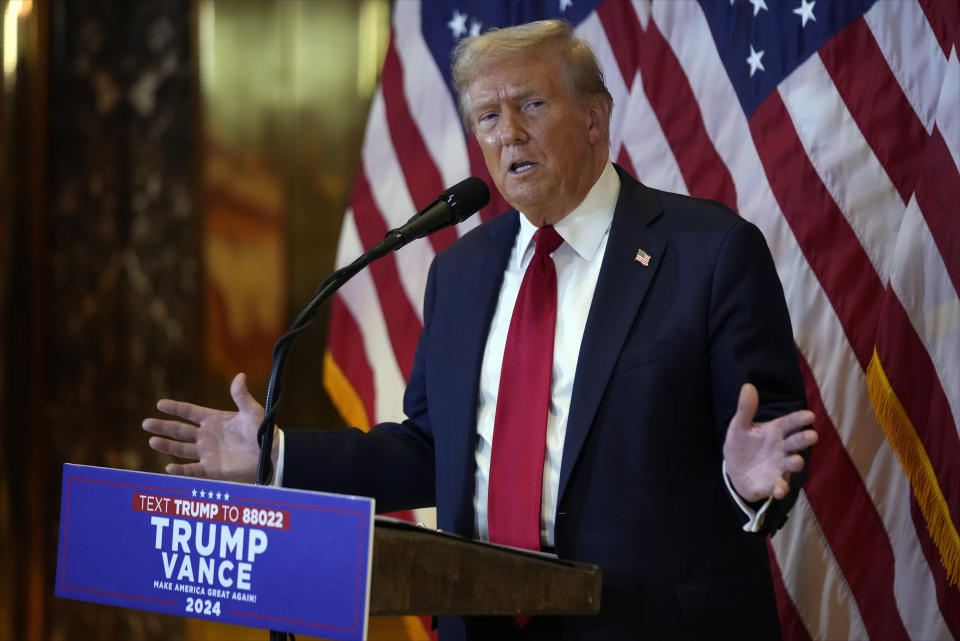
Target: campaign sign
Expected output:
[265,557]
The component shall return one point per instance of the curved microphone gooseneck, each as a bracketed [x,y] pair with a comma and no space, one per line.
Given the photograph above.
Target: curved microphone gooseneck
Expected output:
[452,206]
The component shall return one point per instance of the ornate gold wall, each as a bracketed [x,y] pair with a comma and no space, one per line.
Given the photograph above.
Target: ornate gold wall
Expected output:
[173,174]
[285,88]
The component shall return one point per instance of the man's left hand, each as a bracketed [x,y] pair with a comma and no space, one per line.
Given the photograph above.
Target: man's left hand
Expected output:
[760,457]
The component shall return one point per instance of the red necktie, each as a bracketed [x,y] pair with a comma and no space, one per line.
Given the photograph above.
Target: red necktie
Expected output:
[520,424]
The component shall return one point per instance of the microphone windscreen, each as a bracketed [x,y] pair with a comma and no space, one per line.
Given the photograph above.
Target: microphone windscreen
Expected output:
[467,197]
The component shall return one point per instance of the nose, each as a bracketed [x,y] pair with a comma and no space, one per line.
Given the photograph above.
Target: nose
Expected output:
[511,128]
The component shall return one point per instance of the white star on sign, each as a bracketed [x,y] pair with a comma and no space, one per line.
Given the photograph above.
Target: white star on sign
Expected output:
[458,24]
[805,11]
[754,61]
[194,492]
[219,496]
[564,4]
[475,28]
[203,494]
[757,6]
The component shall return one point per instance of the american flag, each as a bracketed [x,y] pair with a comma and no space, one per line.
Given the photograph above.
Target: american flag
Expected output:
[834,126]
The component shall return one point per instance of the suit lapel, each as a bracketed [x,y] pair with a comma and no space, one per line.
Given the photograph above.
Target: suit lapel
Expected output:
[621,288]
[480,282]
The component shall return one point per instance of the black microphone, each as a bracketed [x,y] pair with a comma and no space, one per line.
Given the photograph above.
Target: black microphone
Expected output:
[452,206]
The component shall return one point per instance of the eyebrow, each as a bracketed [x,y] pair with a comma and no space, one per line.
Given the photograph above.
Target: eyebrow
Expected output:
[518,96]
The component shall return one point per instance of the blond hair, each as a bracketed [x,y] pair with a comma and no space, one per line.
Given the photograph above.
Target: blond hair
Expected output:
[473,55]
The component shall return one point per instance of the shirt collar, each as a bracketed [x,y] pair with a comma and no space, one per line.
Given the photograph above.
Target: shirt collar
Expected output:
[584,227]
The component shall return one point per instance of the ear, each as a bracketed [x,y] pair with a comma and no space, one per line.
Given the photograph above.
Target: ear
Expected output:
[598,121]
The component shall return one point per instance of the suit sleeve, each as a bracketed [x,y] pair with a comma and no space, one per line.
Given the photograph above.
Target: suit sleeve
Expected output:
[393,462]
[751,340]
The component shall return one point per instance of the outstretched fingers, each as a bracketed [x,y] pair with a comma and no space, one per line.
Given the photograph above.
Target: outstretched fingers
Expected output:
[188,411]
[173,437]
[780,488]
[795,421]
[187,469]
[793,463]
[172,429]
[179,449]
[801,440]
[761,456]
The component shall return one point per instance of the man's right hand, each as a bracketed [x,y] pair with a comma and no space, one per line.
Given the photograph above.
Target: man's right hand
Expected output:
[223,445]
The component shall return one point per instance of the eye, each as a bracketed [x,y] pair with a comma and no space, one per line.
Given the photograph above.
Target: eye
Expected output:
[534,104]
[486,119]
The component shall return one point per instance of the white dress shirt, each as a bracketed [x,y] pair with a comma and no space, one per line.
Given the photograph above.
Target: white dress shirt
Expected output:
[584,231]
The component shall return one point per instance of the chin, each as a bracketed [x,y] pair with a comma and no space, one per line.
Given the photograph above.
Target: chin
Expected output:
[525,197]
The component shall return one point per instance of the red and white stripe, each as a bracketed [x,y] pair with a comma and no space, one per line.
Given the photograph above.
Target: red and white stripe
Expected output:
[830,169]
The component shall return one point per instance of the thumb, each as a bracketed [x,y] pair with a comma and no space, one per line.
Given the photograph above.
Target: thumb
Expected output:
[241,395]
[747,405]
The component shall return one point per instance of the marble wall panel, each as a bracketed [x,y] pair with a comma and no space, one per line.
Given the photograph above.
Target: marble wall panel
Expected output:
[121,288]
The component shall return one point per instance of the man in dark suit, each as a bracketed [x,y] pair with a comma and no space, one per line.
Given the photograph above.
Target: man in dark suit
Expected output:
[642,338]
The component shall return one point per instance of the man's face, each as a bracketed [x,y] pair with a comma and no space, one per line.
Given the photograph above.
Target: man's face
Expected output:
[541,145]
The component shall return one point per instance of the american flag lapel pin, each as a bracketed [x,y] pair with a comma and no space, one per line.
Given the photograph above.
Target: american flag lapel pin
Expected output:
[643,258]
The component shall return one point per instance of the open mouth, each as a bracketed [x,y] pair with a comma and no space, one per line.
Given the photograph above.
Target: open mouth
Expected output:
[521,167]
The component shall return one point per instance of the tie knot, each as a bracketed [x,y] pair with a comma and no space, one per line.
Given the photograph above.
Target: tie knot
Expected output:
[547,240]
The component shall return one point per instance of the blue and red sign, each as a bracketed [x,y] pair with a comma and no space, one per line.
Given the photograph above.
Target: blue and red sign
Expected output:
[264,557]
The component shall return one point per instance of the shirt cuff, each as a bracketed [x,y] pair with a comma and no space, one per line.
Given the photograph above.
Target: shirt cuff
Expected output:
[278,472]
[755,518]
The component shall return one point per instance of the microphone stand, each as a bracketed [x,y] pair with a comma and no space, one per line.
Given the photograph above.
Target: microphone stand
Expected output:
[452,206]
[393,240]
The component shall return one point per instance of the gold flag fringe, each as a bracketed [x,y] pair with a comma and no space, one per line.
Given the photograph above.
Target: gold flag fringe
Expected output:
[905,442]
[341,392]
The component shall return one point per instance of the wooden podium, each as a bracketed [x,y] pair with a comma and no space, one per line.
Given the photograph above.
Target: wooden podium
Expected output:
[425,572]
[277,558]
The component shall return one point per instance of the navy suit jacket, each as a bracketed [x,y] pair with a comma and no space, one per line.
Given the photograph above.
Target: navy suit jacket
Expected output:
[664,353]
